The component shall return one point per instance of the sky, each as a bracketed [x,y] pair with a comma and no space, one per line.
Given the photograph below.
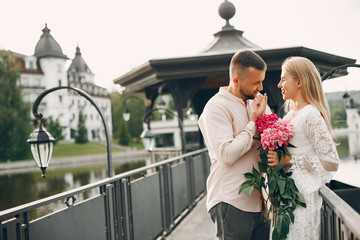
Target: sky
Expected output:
[116,36]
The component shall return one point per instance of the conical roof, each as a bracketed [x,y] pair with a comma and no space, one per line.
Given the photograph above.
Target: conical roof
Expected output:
[47,46]
[228,39]
[78,64]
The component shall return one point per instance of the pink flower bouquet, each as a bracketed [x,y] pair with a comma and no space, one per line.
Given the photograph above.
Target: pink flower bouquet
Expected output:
[282,193]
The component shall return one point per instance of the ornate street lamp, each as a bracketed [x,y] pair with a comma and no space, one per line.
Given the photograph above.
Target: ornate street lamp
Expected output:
[41,145]
[346,96]
[346,99]
[148,139]
[41,142]
[126,112]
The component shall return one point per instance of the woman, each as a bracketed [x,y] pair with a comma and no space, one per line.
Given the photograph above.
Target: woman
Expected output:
[314,159]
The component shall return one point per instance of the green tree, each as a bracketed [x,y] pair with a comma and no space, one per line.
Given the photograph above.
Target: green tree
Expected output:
[338,117]
[55,129]
[124,135]
[136,107]
[81,133]
[15,122]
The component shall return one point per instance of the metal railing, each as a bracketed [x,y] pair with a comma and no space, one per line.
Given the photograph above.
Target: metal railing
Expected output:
[125,207]
[338,219]
[146,207]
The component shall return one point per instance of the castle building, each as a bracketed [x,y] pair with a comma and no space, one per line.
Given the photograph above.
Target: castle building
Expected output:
[46,69]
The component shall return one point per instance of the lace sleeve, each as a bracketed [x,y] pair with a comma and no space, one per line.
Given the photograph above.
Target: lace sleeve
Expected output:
[325,162]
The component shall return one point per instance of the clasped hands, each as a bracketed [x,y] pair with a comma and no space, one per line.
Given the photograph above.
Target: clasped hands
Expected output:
[258,106]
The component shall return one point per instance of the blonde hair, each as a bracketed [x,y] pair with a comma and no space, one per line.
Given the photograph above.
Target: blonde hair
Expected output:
[306,72]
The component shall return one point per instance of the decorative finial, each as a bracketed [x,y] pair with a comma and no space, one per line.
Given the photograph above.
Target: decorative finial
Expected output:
[227,11]
[77,50]
[46,30]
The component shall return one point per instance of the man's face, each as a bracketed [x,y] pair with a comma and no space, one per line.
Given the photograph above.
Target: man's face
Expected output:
[250,83]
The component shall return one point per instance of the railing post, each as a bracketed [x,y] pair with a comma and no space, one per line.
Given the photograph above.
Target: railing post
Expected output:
[119,218]
[166,196]
[104,193]
[190,177]
[128,209]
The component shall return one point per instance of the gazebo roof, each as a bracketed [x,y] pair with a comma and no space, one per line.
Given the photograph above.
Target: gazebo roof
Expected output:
[212,64]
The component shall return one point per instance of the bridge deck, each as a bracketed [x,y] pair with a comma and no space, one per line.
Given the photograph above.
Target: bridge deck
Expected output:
[197,225]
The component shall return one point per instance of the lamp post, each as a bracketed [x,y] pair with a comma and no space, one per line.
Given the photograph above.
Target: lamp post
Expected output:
[41,142]
[346,100]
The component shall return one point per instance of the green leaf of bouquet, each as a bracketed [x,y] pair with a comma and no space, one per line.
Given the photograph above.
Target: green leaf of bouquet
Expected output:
[287,151]
[257,138]
[245,185]
[249,175]
[263,157]
[262,167]
[290,145]
[272,185]
[285,226]
[291,215]
[279,167]
[281,183]
[279,153]
[279,223]
[275,235]
[300,199]
[249,190]
[255,172]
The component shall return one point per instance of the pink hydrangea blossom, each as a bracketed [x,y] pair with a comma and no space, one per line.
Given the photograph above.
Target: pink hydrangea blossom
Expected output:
[275,132]
[265,121]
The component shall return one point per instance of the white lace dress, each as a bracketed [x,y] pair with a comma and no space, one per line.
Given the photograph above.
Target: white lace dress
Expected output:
[314,161]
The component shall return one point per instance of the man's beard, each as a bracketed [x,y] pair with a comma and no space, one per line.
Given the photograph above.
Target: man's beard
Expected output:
[247,96]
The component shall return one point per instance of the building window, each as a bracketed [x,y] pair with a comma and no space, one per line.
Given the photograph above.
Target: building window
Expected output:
[164,140]
[60,98]
[59,68]
[37,82]
[59,82]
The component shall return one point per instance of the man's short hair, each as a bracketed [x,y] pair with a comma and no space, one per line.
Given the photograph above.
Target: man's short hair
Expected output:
[244,59]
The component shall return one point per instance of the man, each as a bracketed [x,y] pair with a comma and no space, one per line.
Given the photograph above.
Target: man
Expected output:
[227,124]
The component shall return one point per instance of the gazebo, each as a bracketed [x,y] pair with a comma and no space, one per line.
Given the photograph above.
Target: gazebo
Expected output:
[198,77]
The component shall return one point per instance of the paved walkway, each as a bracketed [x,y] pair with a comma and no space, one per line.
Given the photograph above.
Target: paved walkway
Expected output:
[197,225]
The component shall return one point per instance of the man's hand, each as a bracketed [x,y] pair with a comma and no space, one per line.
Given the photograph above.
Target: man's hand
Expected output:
[258,106]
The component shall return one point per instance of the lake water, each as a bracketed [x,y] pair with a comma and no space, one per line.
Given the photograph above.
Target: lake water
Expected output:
[17,189]
[349,153]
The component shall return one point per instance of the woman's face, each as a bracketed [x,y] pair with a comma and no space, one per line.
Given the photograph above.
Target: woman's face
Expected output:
[290,87]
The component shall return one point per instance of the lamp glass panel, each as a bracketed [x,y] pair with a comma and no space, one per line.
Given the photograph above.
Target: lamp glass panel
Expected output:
[35,152]
[146,142]
[151,143]
[42,153]
[126,116]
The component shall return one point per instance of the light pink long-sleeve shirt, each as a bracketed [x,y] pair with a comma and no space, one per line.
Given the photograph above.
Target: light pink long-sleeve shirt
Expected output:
[228,134]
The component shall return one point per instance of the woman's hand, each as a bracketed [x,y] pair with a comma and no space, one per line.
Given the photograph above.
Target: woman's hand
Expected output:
[273,159]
